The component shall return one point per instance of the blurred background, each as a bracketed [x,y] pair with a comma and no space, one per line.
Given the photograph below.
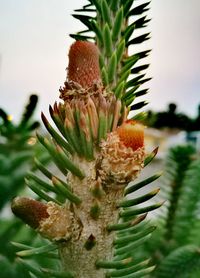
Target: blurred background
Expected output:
[34,41]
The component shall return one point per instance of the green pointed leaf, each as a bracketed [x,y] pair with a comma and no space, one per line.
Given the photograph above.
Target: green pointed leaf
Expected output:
[126,239]
[37,251]
[117,24]
[104,76]
[97,31]
[128,32]
[141,184]
[119,89]
[30,268]
[150,157]
[97,4]
[128,65]
[123,226]
[132,212]
[127,5]
[55,135]
[41,193]
[129,271]
[114,5]
[139,200]
[105,13]
[45,171]
[107,39]
[120,50]
[42,184]
[63,188]
[112,67]
[130,247]
[85,19]
[129,93]
[140,116]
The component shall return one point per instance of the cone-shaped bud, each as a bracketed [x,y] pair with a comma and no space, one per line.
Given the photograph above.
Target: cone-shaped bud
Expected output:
[131,133]
[83,65]
[30,211]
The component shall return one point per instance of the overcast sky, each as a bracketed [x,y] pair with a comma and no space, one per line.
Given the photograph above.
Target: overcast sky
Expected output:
[34,40]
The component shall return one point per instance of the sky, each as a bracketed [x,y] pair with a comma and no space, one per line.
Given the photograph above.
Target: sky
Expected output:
[34,41]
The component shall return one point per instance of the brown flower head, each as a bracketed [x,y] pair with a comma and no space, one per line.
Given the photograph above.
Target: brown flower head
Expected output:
[83,65]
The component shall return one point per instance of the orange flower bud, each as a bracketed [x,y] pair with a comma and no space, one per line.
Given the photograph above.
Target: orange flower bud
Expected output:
[131,134]
[83,65]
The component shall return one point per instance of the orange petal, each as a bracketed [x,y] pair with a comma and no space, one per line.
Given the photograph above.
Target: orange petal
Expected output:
[131,133]
[83,65]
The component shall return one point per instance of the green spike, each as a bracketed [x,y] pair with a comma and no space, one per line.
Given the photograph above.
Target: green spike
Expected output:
[41,193]
[36,251]
[128,64]
[53,153]
[98,32]
[120,50]
[105,13]
[139,200]
[104,76]
[114,5]
[42,184]
[96,3]
[141,184]
[140,116]
[45,171]
[126,225]
[119,18]
[61,186]
[127,5]
[130,247]
[55,117]
[56,136]
[150,157]
[124,240]
[138,227]
[128,271]
[132,212]
[115,264]
[112,66]
[60,157]
[119,89]
[107,38]
[30,268]
[130,100]
[130,93]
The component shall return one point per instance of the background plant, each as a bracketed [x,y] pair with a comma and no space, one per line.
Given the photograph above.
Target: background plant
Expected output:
[17,148]
[175,244]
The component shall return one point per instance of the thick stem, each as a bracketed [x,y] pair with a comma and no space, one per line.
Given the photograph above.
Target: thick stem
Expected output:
[90,239]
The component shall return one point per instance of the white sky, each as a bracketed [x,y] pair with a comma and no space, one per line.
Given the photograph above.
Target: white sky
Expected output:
[34,42]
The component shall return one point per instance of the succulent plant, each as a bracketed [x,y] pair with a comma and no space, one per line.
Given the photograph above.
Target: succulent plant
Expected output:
[89,214]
